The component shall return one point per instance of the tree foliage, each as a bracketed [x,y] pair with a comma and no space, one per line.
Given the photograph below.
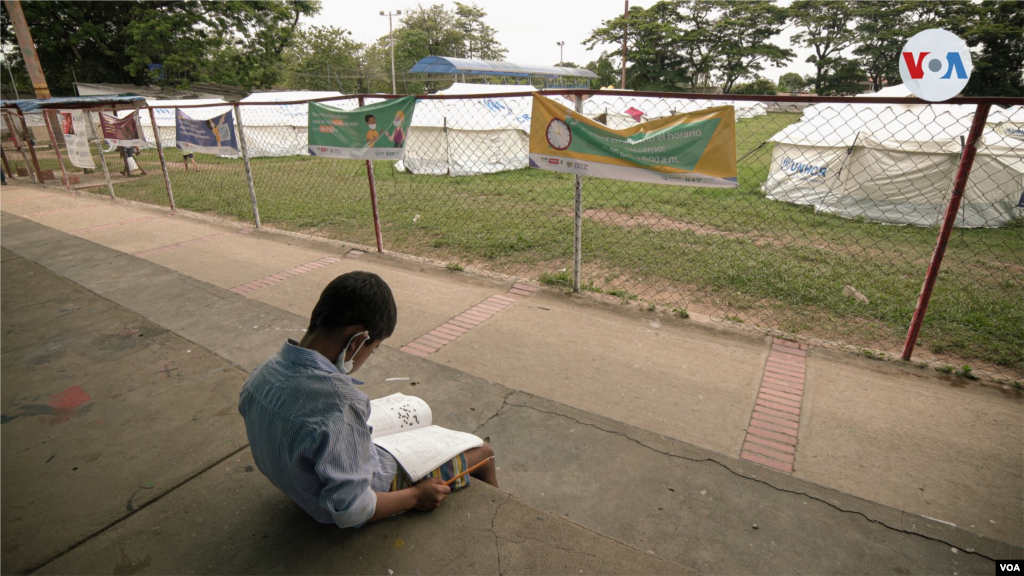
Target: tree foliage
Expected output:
[882,29]
[745,28]
[791,82]
[652,45]
[679,43]
[193,41]
[479,40]
[324,58]
[607,69]
[998,29]
[758,86]
[841,77]
[824,27]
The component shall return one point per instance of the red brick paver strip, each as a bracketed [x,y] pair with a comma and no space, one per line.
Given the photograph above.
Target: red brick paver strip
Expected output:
[278,277]
[448,332]
[774,426]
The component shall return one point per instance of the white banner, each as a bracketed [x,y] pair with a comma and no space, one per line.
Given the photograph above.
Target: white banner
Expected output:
[76,135]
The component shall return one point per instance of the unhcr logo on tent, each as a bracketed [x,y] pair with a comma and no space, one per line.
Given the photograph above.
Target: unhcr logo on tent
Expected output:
[803,168]
[1011,130]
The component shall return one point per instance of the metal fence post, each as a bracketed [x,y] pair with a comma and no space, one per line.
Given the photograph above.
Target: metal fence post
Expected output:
[248,168]
[959,184]
[30,139]
[20,143]
[160,153]
[7,167]
[373,196]
[99,146]
[56,150]
[577,244]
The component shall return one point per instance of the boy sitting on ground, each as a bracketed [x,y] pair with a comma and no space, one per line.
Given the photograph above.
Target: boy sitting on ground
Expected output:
[307,422]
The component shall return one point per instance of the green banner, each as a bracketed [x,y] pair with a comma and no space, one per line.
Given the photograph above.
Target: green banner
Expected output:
[375,132]
[694,149]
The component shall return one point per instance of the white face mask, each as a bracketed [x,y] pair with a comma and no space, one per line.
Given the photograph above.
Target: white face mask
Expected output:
[346,367]
[398,122]
[373,126]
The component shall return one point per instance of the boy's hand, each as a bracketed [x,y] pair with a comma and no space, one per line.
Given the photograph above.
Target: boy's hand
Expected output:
[430,493]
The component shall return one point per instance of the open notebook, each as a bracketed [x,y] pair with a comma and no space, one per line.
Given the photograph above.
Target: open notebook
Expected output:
[401,425]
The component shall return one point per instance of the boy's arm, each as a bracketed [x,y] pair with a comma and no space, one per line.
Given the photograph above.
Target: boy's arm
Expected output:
[425,496]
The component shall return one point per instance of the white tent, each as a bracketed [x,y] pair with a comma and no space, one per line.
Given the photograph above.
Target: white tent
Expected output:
[895,163]
[470,136]
[281,129]
[611,109]
[270,129]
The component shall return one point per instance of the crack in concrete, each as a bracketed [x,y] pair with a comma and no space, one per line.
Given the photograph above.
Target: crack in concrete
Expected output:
[504,402]
[497,539]
[114,524]
[758,480]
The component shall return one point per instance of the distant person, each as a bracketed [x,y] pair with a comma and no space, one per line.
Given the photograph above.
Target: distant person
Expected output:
[306,420]
[128,154]
[189,156]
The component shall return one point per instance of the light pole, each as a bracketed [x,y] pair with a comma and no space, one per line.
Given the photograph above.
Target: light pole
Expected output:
[391,34]
[561,53]
[7,64]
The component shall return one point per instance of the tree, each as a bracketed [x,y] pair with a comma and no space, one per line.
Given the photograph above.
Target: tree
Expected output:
[758,86]
[700,40]
[748,26]
[999,30]
[791,82]
[479,38]
[608,72]
[432,31]
[324,58]
[824,27]
[842,77]
[193,41]
[83,39]
[653,45]
[183,35]
[882,30]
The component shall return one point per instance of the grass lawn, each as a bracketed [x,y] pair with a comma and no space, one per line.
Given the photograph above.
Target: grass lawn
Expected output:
[731,253]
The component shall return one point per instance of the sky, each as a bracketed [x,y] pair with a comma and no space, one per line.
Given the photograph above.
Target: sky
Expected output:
[529,29]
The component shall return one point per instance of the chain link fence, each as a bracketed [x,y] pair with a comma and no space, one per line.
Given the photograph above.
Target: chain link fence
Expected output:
[827,239]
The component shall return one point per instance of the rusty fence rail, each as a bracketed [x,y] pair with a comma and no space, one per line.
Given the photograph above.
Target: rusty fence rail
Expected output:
[889,226]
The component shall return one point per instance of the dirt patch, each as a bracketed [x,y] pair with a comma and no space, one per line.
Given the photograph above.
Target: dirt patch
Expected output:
[660,223]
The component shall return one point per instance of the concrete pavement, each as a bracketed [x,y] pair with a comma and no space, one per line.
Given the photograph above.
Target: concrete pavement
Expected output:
[567,369]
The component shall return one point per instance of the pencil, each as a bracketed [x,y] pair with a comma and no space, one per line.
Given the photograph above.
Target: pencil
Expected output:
[478,464]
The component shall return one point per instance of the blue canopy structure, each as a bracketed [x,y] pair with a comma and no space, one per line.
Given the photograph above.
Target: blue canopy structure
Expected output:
[35,106]
[445,65]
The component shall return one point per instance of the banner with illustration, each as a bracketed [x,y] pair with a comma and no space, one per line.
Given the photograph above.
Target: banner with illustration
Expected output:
[76,136]
[375,132]
[695,149]
[122,131]
[213,136]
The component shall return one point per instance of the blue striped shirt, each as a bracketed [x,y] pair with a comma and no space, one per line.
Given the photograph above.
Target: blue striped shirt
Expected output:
[307,429]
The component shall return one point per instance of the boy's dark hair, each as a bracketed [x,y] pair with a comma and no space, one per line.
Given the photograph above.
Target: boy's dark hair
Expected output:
[368,116]
[356,298]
